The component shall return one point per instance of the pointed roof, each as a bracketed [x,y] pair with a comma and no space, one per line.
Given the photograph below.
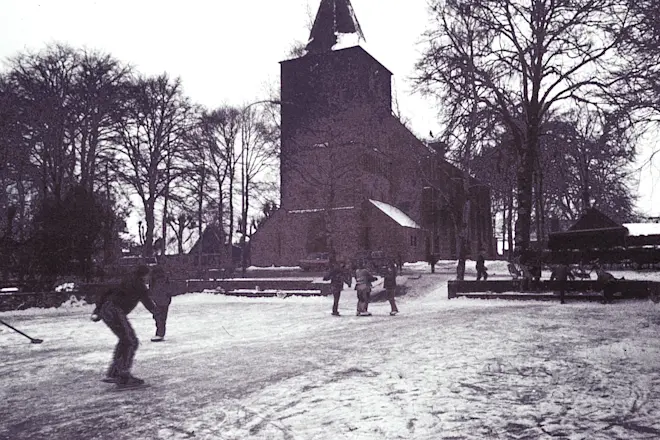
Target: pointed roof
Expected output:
[594,219]
[335,23]
[211,241]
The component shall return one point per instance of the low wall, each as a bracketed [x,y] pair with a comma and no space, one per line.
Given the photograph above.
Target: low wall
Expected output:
[257,284]
[515,289]
[238,287]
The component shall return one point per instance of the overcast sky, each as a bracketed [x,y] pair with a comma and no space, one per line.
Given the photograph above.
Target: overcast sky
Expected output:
[227,51]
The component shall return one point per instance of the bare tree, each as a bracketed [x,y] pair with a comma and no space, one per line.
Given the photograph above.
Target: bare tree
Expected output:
[257,155]
[541,54]
[458,42]
[150,135]
[220,132]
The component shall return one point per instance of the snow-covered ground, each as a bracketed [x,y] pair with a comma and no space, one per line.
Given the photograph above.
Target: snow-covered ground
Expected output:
[271,368]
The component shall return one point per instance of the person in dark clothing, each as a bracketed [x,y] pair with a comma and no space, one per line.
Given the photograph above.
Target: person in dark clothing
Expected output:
[363,280]
[562,273]
[389,282]
[160,292]
[432,260]
[607,284]
[481,266]
[337,275]
[113,307]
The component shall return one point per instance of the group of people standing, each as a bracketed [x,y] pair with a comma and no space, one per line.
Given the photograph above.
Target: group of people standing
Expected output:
[339,274]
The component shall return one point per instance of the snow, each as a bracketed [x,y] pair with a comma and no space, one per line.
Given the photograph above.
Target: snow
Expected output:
[304,211]
[346,40]
[275,268]
[395,214]
[643,228]
[272,368]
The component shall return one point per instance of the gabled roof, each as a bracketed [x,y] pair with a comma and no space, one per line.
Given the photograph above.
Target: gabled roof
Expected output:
[335,21]
[594,219]
[395,214]
[211,241]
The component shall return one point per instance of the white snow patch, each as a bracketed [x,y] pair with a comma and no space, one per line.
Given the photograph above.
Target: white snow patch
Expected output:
[395,214]
[304,211]
[347,40]
[66,287]
[278,268]
[636,229]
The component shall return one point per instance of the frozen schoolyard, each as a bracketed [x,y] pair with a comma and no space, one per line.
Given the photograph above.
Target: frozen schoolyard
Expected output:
[271,368]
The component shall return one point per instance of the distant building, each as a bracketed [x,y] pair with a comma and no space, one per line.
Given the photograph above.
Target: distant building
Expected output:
[353,177]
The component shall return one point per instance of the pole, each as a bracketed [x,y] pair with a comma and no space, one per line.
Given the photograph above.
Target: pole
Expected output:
[33,340]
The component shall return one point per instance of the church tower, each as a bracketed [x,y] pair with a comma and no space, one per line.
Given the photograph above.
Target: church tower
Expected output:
[352,178]
[335,76]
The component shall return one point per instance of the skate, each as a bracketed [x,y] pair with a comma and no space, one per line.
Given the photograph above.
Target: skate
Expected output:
[130,383]
[110,379]
[158,338]
[394,313]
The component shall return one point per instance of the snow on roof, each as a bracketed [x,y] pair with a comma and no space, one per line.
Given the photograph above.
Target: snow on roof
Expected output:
[303,211]
[347,40]
[396,214]
[643,228]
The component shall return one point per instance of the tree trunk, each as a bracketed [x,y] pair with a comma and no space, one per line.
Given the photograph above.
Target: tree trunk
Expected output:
[524,195]
[149,234]
[166,199]
[509,220]
[231,204]
[181,230]
[244,210]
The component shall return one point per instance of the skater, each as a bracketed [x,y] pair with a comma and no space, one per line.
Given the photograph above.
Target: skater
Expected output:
[481,266]
[399,263]
[161,295]
[113,308]
[363,280]
[337,275]
[562,273]
[607,284]
[389,282]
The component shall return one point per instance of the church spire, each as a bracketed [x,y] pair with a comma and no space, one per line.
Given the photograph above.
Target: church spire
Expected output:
[335,25]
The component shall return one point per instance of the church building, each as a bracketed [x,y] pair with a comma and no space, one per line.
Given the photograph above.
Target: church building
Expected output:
[353,177]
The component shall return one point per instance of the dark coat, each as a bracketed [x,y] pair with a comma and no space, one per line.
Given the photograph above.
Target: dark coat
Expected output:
[160,288]
[128,294]
[389,280]
[561,273]
[337,277]
[481,263]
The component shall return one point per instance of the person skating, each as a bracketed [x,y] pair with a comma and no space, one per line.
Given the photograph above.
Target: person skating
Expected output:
[363,280]
[337,275]
[606,282]
[159,290]
[389,282]
[561,273]
[113,308]
[481,266]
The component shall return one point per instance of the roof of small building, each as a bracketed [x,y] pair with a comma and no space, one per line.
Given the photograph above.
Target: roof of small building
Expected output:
[594,219]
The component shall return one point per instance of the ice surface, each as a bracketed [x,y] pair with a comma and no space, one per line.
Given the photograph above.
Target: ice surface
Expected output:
[272,368]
